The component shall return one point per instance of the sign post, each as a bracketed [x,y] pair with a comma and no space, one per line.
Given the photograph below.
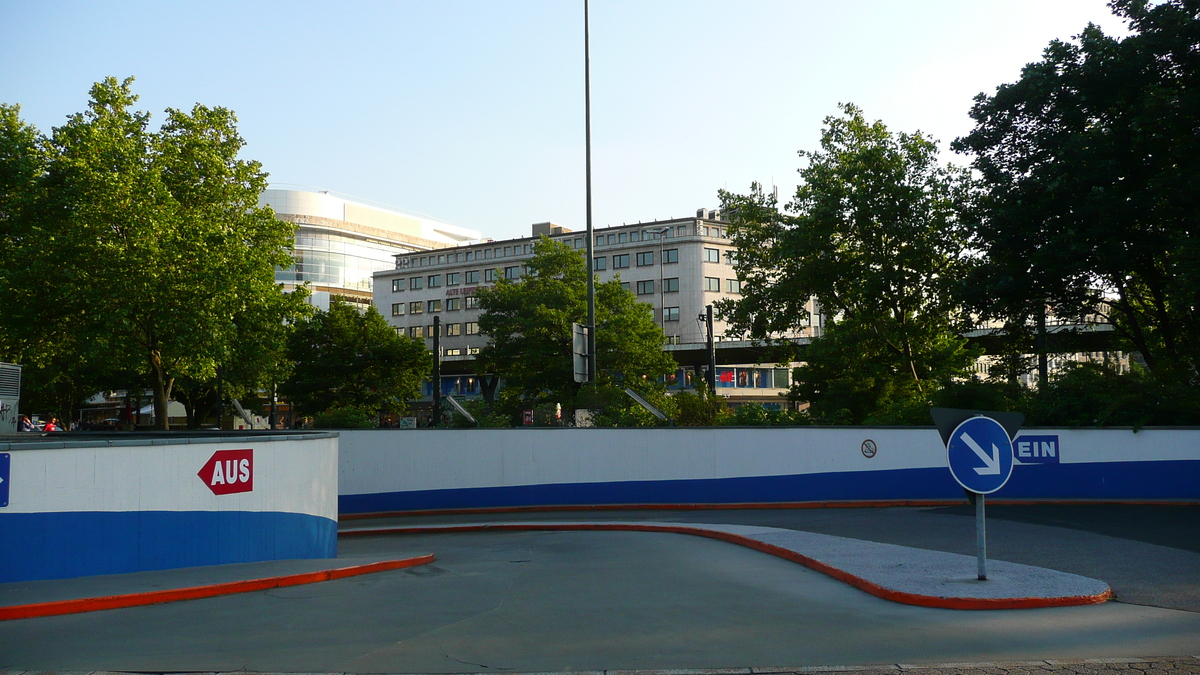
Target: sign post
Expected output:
[979,453]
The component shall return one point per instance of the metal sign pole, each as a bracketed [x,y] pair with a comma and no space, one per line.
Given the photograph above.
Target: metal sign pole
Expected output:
[980,538]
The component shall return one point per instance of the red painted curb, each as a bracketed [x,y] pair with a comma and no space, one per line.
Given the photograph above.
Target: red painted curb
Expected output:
[81,605]
[841,575]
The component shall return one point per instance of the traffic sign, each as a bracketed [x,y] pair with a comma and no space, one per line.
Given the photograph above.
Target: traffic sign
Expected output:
[980,455]
[229,471]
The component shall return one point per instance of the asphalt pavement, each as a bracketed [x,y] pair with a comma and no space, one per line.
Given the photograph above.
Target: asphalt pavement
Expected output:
[611,601]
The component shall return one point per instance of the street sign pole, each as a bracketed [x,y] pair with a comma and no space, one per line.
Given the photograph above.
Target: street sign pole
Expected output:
[980,539]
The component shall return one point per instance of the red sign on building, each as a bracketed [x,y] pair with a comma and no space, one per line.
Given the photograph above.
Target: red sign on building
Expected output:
[229,471]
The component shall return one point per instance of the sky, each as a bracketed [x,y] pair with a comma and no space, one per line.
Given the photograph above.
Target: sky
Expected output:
[472,112]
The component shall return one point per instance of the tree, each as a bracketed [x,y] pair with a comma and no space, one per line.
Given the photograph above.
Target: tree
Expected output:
[873,236]
[132,251]
[529,322]
[1092,167]
[345,358]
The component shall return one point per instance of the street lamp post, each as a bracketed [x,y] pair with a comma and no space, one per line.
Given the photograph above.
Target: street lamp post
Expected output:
[662,288]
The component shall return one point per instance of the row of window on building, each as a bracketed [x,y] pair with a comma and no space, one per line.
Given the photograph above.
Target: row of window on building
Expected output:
[647,287]
[683,378]
[600,263]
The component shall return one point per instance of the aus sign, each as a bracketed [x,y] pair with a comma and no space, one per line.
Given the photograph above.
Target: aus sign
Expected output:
[229,471]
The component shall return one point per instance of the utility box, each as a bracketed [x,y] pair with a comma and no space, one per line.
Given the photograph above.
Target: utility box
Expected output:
[10,397]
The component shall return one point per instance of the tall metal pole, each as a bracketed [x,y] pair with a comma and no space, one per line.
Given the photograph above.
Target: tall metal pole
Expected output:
[587,117]
[712,351]
[437,372]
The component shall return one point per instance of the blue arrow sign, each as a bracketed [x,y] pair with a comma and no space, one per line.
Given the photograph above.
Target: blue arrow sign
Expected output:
[980,455]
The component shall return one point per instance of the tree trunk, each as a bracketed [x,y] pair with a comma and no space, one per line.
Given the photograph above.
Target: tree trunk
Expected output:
[159,381]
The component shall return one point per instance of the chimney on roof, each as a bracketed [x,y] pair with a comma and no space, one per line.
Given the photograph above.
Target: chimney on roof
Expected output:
[548,229]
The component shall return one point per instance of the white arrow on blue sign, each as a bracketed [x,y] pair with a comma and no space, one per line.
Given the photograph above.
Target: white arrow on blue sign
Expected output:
[980,455]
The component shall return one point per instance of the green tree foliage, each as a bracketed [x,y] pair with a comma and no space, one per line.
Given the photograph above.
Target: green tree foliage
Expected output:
[130,251]
[1092,167]
[873,236]
[345,358]
[529,322]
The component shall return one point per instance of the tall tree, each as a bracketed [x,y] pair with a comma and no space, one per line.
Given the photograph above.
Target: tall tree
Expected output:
[1091,162]
[144,247]
[348,358]
[529,322]
[873,236]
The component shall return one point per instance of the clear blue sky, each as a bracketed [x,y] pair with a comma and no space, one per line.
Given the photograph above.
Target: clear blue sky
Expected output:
[472,111]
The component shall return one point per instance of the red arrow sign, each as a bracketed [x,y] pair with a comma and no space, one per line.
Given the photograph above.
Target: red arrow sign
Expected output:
[229,471]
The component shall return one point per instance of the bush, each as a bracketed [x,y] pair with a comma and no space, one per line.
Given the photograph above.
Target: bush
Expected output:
[347,417]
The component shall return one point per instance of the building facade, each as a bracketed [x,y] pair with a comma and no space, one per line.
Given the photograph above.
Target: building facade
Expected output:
[676,266]
[341,242]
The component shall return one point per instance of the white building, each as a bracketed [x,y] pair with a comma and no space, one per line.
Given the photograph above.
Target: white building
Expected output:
[677,266]
[341,242]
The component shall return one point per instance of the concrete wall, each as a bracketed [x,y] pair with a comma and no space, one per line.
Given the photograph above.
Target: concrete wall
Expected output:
[497,468]
[84,507]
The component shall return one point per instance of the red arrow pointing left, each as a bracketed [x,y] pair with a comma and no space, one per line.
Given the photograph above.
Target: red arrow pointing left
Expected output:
[229,471]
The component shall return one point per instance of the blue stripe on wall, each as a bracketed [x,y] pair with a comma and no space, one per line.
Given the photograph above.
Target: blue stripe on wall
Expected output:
[1167,480]
[74,544]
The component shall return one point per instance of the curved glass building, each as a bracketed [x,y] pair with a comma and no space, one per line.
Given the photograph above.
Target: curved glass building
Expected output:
[341,242]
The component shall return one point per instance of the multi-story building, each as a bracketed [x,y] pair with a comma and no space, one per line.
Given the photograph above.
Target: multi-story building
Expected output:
[341,242]
[676,266]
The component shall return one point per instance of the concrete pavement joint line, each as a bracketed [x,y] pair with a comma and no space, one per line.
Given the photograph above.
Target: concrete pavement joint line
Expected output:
[81,605]
[909,581]
[1058,665]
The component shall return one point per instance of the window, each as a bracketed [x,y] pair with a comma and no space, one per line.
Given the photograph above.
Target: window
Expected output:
[473,277]
[513,272]
[453,304]
[671,285]
[453,352]
[472,350]
[645,287]
[670,255]
[625,285]
[731,257]
[487,253]
[621,238]
[712,284]
[470,256]
[472,302]
[637,236]
[416,283]
[599,264]
[453,279]
[733,286]
[453,329]
[472,328]
[579,243]
[621,262]
[397,309]
[416,307]
[435,305]
[670,313]
[397,285]
[646,258]
[416,331]
[611,240]
[712,255]
[435,281]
